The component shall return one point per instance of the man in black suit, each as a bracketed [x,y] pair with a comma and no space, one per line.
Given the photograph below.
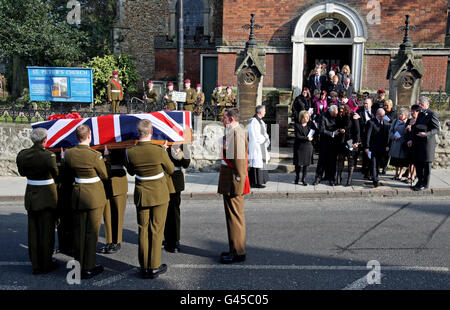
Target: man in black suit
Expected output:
[377,139]
[347,87]
[364,115]
[327,149]
[423,139]
[317,81]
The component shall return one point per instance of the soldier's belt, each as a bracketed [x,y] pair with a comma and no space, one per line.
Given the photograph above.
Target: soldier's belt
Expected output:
[116,167]
[85,181]
[115,90]
[154,177]
[40,182]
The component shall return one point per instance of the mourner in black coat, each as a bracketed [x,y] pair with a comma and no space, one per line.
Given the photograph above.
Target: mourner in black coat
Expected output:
[301,103]
[327,148]
[303,148]
[364,115]
[377,139]
[423,140]
[347,142]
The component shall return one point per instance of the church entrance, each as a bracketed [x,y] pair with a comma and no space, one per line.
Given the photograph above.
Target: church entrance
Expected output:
[330,54]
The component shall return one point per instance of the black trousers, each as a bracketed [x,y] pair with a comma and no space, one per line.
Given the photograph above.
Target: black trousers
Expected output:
[423,170]
[172,227]
[377,162]
[327,163]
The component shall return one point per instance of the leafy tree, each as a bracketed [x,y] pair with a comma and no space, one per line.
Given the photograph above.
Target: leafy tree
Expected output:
[33,31]
[102,67]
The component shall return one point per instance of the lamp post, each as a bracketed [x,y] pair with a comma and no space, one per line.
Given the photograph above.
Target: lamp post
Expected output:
[180,46]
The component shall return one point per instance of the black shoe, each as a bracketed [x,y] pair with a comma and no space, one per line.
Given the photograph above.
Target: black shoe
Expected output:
[87,274]
[154,273]
[304,183]
[113,248]
[419,188]
[331,183]
[296,181]
[145,273]
[53,266]
[260,186]
[172,248]
[105,249]
[230,259]
[376,184]
[316,181]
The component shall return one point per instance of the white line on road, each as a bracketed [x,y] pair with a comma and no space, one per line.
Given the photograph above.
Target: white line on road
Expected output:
[15,264]
[115,278]
[312,267]
[12,288]
[359,284]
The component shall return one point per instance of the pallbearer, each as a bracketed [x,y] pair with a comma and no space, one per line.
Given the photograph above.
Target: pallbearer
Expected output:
[116,189]
[150,162]
[39,166]
[180,157]
[87,166]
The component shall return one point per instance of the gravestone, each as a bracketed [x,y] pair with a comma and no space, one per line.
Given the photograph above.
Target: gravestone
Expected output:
[250,70]
[405,72]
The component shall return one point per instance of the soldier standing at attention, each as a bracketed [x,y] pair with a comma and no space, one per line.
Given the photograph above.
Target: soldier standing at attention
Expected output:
[169,103]
[230,98]
[115,93]
[191,96]
[199,101]
[150,163]
[116,189]
[218,96]
[234,184]
[39,166]
[151,95]
[88,200]
[180,157]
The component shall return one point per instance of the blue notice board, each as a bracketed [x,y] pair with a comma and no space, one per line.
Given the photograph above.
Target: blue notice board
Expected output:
[60,84]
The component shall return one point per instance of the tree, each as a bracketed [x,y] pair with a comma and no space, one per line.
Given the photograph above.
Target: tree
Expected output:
[35,32]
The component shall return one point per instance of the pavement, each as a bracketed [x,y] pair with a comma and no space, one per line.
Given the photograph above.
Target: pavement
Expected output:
[203,186]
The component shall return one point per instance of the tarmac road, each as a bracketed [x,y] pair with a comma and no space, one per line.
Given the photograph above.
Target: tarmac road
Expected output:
[291,245]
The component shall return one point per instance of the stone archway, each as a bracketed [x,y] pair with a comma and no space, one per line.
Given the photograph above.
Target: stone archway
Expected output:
[358,35]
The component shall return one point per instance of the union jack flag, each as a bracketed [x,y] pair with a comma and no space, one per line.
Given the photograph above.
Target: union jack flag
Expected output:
[118,128]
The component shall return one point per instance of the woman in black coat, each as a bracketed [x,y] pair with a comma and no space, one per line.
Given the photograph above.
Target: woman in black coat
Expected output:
[348,140]
[303,148]
[301,103]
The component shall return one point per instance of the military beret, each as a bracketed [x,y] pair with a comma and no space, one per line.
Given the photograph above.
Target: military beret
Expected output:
[170,84]
[187,81]
[381,91]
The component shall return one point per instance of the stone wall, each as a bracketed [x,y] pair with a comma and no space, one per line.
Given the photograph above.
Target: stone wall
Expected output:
[13,138]
[205,149]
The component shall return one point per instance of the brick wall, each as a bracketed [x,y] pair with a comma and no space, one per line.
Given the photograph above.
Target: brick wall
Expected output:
[279,20]
[166,64]
[435,72]
[225,72]
[374,72]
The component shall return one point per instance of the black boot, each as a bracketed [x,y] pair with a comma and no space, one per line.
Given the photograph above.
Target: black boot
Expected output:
[297,173]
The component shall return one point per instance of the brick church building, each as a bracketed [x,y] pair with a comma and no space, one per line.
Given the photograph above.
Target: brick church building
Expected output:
[295,35]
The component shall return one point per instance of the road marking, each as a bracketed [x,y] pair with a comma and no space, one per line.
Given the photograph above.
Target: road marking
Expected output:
[311,267]
[359,284]
[115,278]
[15,263]
[12,288]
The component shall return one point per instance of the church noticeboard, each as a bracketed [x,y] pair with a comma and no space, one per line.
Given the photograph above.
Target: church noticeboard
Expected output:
[60,84]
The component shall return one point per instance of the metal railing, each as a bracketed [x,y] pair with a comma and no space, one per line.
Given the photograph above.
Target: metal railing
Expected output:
[16,113]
